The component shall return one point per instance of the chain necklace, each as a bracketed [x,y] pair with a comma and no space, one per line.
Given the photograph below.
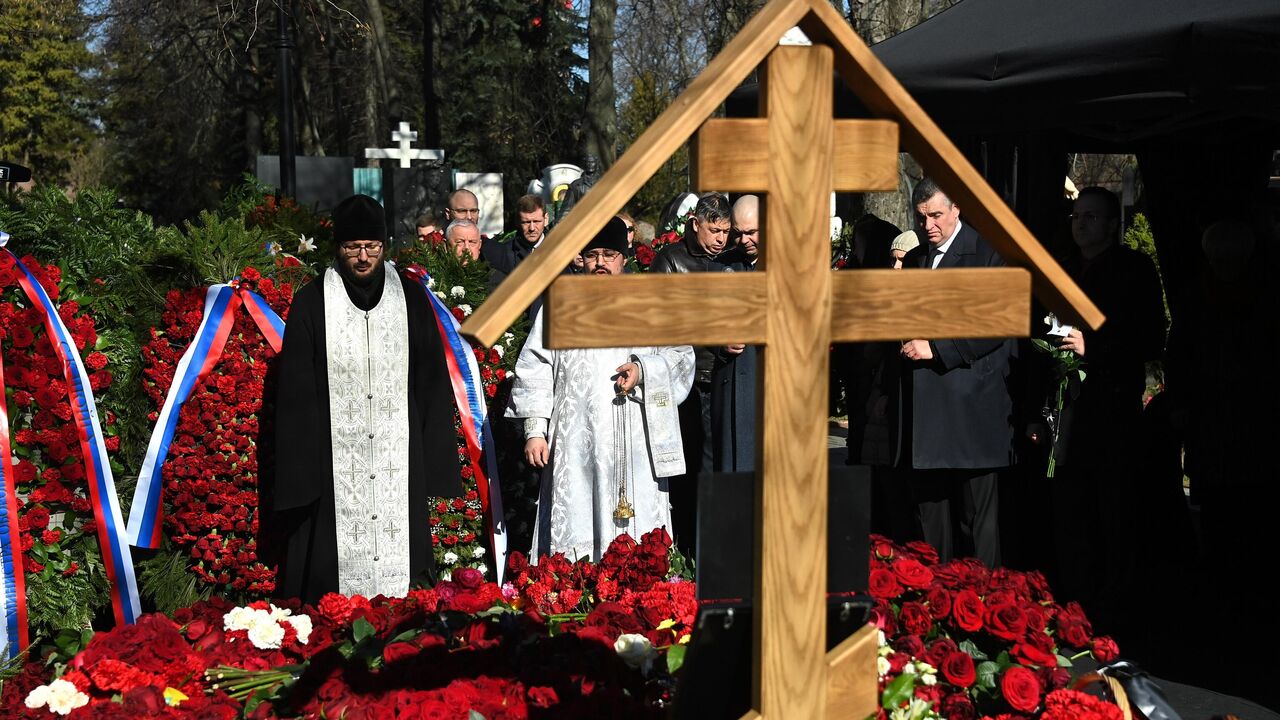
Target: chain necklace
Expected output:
[621,457]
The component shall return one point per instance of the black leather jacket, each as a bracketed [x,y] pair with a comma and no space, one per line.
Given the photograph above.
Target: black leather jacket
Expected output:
[685,256]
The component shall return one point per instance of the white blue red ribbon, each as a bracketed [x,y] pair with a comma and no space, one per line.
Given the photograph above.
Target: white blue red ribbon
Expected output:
[468,395]
[123,586]
[14,633]
[146,518]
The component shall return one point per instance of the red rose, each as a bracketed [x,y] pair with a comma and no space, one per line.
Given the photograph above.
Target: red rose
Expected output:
[1029,654]
[1021,688]
[967,610]
[1006,622]
[939,650]
[958,669]
[1105,649]
[398,651]
[958,706]
[912,574]
[882,548]
[939,602]
[914,618]
[884,584]
[545,697]
[909,644]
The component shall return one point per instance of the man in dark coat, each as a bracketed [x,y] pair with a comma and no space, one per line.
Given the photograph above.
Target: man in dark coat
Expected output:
[505,252]
[961,431]
[1096,451]
[733,377]
[364,424]
[704,241]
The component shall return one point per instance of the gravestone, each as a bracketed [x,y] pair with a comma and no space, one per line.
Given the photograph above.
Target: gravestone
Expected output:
[412,191]
[488,190]
[323,182]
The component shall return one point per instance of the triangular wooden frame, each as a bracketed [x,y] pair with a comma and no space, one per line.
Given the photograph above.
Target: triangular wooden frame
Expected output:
[870,81]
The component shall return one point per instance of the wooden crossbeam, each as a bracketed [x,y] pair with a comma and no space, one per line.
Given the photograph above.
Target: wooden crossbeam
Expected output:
[875,305]
[726,156]
[726,308]
[679,308]
[849,694]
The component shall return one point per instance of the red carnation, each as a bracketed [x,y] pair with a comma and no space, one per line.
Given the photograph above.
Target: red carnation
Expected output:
[38,517]
[335,608]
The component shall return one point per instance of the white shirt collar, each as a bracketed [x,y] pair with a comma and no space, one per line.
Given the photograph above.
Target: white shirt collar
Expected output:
[942,249]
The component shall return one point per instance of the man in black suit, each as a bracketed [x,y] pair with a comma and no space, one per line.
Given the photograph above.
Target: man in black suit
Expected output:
[960,426]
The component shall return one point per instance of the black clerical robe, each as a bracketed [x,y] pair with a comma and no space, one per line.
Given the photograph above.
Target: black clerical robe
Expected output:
[302,521]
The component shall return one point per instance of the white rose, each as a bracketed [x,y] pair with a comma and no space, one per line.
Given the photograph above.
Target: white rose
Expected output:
[883,666]
[457,291]
[478,552]
[301,625]
[635,650]
[266,635]
[466,309]
[451,557]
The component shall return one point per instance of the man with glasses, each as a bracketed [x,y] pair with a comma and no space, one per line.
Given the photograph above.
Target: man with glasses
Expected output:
[1095,452]
[601,425]
[462,205]
[364,424]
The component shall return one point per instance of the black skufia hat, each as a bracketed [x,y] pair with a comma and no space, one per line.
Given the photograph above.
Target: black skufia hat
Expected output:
[359,217]
[613,236]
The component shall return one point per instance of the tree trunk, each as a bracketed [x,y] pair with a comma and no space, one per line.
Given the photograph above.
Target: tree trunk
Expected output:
[430,109]
[602,116]
[380,50]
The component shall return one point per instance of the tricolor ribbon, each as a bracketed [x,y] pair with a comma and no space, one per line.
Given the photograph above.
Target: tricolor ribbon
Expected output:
[468,395]
[93,450]
[14,634]
[146,518]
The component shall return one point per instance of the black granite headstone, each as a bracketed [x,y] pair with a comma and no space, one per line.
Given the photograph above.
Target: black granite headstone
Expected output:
[323,182]
[408,193]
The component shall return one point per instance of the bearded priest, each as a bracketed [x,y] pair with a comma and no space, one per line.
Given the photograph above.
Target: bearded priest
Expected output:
[364,425]
[602,424]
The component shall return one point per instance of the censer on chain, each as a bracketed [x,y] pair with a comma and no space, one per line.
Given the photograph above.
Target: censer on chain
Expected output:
[621,457]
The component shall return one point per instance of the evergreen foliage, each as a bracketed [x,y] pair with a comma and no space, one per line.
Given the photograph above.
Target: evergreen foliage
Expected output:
[46,102]
[645,102]
[512,93]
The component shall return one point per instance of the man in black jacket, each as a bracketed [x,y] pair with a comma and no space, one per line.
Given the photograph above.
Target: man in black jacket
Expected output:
[960,425]
[704,241]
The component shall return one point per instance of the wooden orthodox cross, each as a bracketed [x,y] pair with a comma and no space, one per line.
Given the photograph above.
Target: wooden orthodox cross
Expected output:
[796,154]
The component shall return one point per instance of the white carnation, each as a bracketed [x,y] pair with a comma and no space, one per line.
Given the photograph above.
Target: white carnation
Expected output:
[60,696]
[636,651]
[929,679]
[446,576]
[451,557]
[431,283]
[438,294]
[240,618]
[279,613]
[457,291]
[466,309]
[266,634]
[501,350]
[883,666]
[478,552]
[301,625]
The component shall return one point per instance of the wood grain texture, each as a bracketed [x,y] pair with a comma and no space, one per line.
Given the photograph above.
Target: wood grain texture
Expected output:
[872,82]
[672,128]
[852,688]
[791,530]
[656,309]
[729,155]
[871,305]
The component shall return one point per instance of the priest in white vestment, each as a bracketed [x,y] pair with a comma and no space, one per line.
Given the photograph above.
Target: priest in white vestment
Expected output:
[602,425]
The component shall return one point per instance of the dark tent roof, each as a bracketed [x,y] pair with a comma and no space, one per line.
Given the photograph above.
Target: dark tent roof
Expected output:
[1114,70]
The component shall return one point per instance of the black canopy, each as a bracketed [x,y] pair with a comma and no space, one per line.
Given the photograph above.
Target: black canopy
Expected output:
[1113,70]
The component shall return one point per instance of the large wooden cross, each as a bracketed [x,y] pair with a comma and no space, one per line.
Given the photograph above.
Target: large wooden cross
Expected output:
[796,154]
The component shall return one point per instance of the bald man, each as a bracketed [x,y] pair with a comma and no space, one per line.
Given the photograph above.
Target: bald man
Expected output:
[733,377]
[463,205]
